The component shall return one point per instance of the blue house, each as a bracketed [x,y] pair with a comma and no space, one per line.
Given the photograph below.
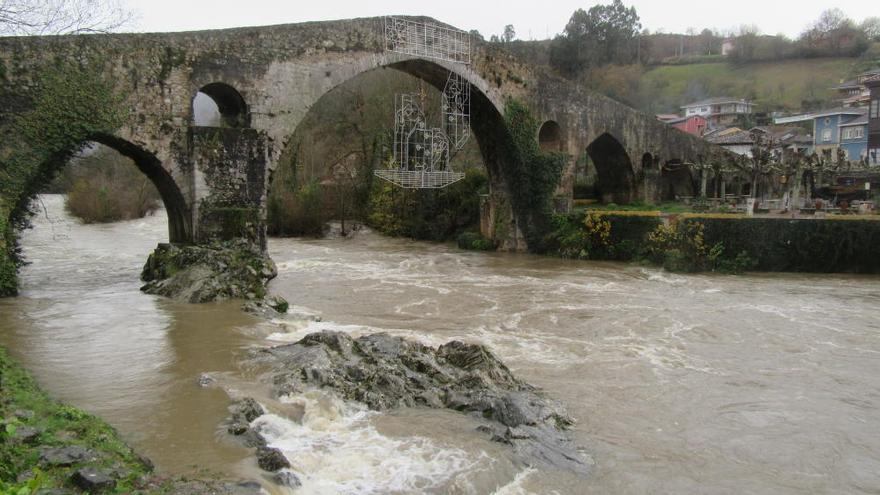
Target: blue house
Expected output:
[839,128]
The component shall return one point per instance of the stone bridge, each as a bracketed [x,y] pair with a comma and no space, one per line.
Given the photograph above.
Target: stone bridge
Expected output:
[214,180]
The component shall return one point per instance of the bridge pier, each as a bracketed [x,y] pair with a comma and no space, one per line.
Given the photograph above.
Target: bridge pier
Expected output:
[229,181]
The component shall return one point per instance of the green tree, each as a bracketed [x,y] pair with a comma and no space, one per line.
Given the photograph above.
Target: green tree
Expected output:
[605,34]
[509,33]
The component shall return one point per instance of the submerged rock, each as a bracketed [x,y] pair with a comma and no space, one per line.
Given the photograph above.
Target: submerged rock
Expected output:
[287,479]
[386,372]
[200,274]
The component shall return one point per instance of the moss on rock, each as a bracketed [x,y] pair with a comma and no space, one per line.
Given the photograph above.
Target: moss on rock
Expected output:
[201,274]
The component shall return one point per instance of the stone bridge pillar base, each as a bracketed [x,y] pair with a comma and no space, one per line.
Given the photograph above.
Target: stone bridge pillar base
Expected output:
[497,222]
[650,188]
[229,166]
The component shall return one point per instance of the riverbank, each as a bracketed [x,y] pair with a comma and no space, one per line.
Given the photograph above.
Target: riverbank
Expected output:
[730,243]
[52,448]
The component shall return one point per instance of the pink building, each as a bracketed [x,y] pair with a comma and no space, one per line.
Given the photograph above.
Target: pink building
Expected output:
[694,124]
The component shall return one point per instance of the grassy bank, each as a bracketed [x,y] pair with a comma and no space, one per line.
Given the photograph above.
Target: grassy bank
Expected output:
[43,443]
[783,85]
[34,423]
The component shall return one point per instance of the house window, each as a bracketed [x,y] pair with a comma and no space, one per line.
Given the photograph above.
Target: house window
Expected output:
[826,135]
[852,133]
[827,120]
[704,109]
[875,109]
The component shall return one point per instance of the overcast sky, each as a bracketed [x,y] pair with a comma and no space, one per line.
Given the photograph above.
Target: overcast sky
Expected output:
[532,19]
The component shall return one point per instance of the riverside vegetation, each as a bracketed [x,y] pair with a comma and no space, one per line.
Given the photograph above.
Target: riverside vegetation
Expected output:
[719,242]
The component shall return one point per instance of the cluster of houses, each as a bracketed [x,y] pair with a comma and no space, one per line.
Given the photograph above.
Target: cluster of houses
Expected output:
[851,130]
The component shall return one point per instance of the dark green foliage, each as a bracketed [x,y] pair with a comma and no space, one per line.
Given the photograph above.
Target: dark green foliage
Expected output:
[530,173]
[70,105]
[572,237]
[435,215]
[807,245]
[473,241]
[8,267]
[605,34]
[298,214]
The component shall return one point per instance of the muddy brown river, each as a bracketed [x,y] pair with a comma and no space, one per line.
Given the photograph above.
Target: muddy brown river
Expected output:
[679,383]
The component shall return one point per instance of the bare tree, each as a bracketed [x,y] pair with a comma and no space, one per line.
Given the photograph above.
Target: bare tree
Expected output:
[45,17]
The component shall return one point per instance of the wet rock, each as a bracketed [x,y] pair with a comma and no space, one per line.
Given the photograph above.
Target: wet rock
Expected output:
[66,456]
[387,372]
[207,381]
[247,409]
[271,460]
[243,412]
[93,480]
[287,479]
[269,307]
[247,487]
[200,274]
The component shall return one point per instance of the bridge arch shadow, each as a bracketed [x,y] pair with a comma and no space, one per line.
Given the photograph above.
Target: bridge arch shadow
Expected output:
[676,180]
[550,136]
[615,177]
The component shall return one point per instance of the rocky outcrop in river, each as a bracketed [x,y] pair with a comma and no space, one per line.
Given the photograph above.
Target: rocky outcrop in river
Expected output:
[386,372]
[200,274]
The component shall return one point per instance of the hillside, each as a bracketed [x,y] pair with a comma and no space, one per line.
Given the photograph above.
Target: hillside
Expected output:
[784,85]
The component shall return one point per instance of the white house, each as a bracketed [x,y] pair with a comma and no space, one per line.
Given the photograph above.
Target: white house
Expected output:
[719,111]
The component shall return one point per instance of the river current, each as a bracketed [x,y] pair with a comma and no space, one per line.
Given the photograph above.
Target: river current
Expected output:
[678,383]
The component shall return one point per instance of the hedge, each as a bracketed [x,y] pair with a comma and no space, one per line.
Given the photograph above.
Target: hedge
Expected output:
[799,245]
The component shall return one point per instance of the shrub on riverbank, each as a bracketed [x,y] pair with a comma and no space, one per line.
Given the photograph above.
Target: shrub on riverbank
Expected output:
[104,186]
[799,245]
[641,236]
[721,243]
[8,267]
[428,214]
[473,241]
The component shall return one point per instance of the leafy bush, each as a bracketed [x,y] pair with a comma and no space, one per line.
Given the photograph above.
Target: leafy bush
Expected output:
[434,215]
[106,187]
[297,212]
[475,242]
[801,245]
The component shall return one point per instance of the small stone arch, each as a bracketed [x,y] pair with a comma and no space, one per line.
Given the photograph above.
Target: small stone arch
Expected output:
[550,136]
[614,170]
[220,105]
[647,162]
